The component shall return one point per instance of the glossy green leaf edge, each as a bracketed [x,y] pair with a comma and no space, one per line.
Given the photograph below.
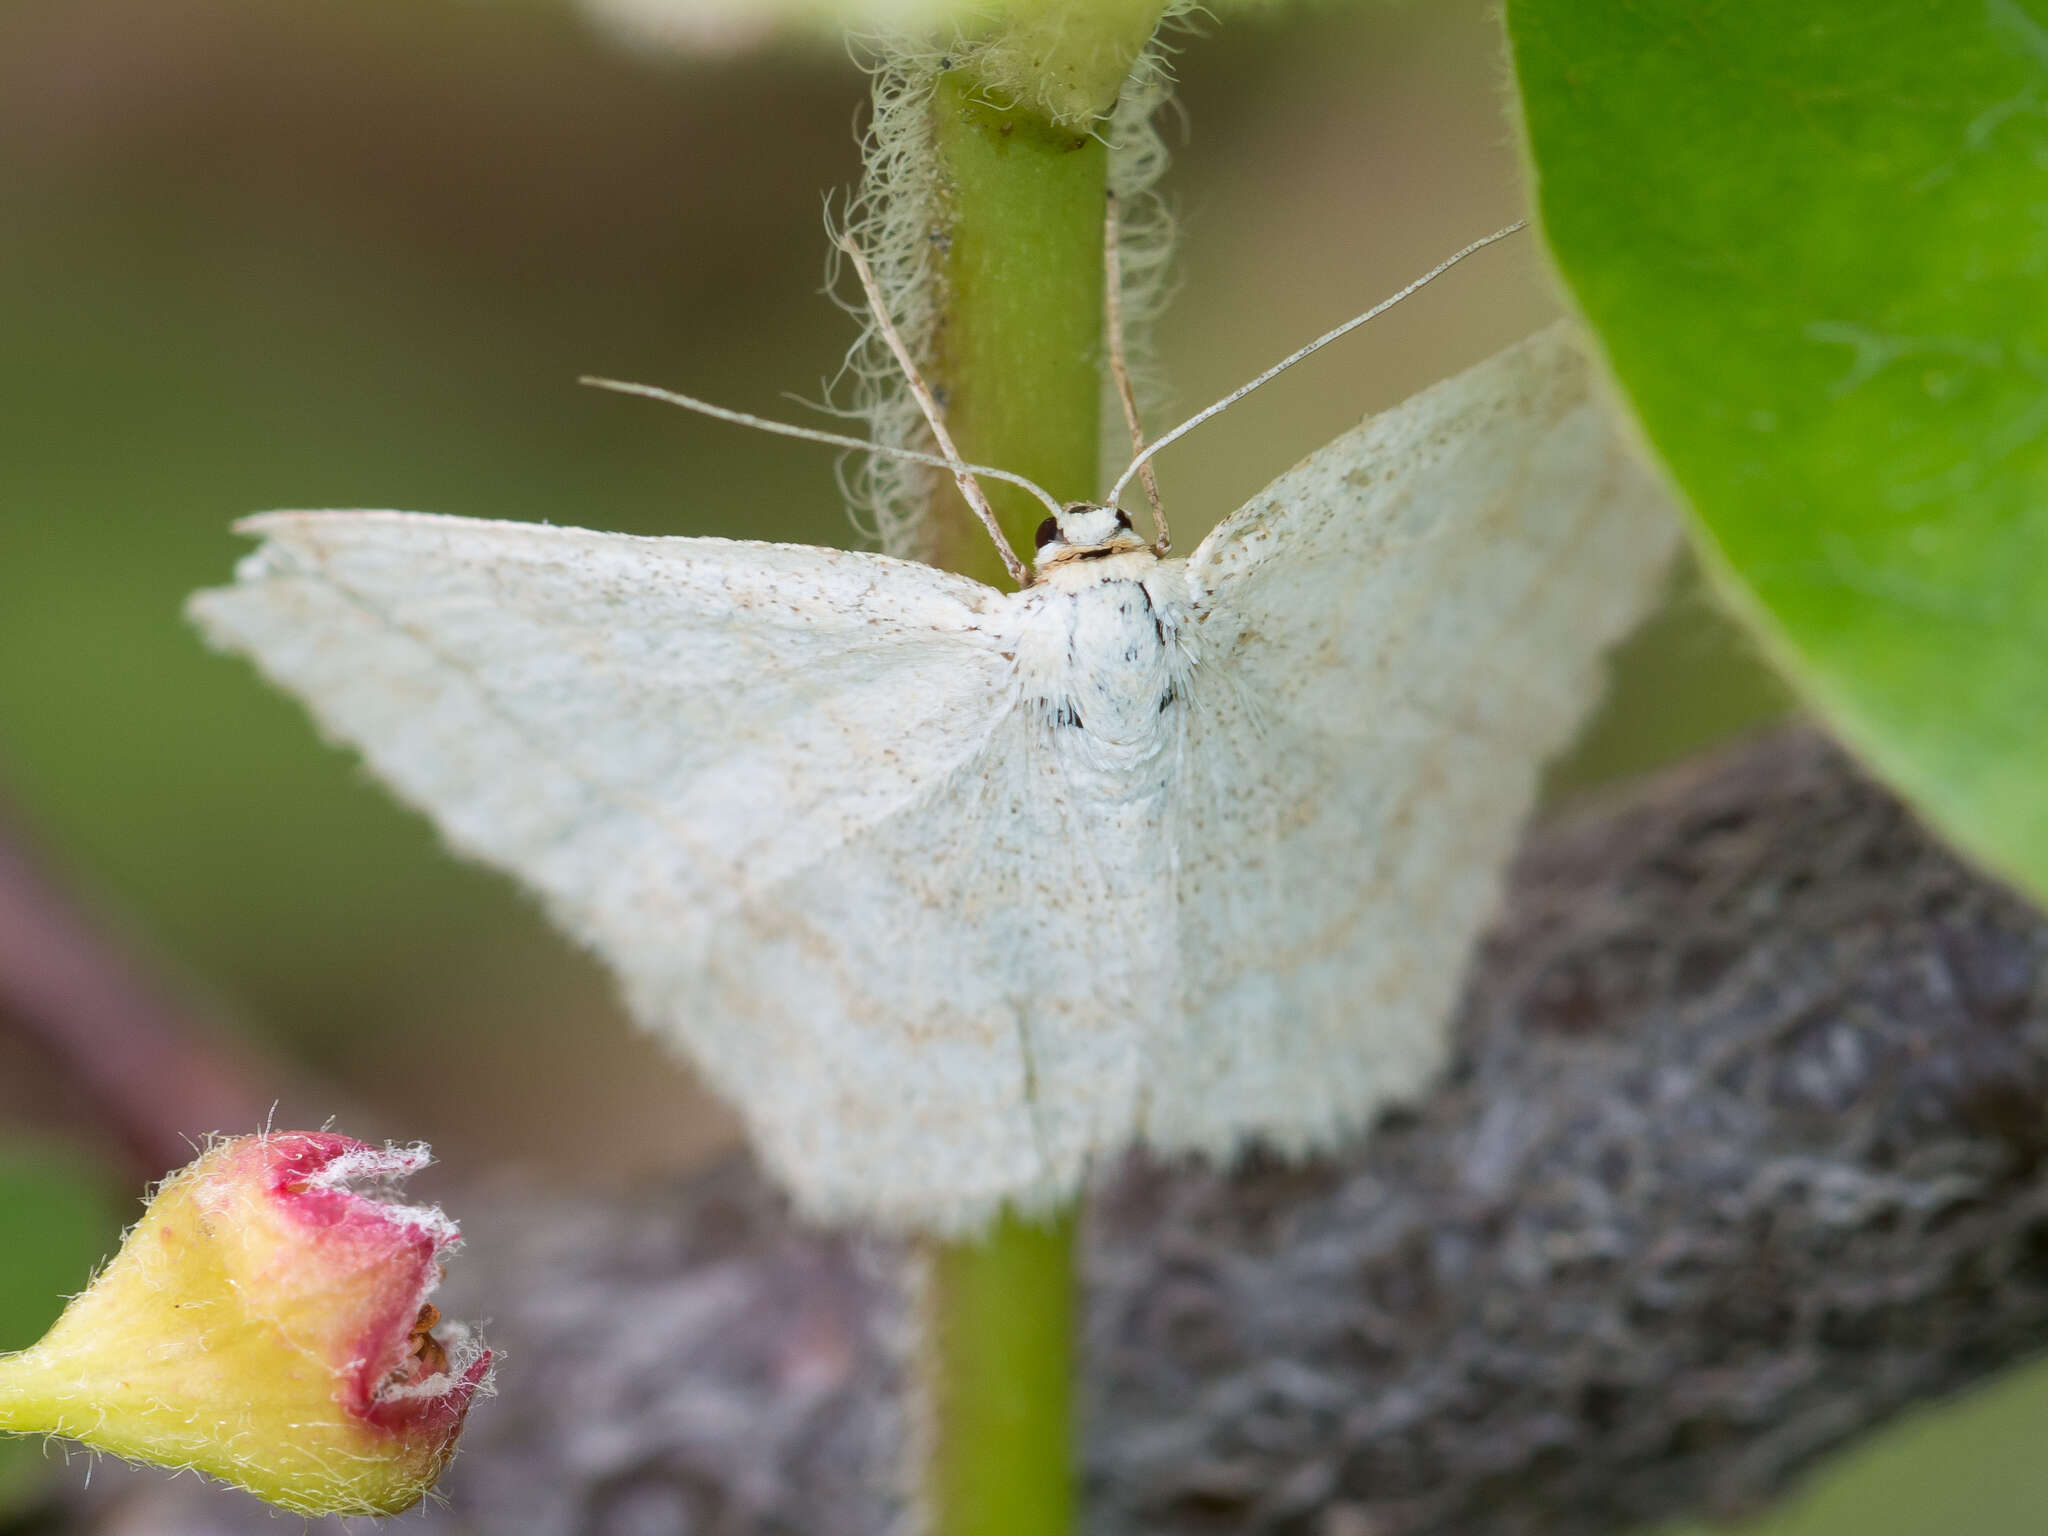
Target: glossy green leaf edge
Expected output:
[1812,242]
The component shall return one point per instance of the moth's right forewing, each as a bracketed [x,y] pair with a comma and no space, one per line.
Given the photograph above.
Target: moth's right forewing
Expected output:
[649,732]
[1393,638]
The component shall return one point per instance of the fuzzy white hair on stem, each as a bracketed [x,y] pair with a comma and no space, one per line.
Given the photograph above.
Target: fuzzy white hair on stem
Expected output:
[896,219]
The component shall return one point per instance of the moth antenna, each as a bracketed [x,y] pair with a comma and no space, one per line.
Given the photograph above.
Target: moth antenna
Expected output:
[813,434]
[1144,455]
[1119,370]
[963,473]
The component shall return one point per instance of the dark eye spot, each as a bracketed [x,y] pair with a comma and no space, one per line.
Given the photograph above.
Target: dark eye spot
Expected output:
[1123,519]
[1048,531]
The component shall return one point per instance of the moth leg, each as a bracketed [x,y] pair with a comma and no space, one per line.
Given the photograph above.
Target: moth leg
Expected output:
[1119,370]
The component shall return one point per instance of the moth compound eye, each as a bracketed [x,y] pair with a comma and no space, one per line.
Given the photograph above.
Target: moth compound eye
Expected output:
[1048,531]
[1123,519]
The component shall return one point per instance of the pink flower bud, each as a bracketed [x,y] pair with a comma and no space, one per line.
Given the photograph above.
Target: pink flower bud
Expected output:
[267,1322]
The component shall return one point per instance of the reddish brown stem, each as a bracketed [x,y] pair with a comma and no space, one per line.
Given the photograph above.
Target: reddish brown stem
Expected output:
[123,1046]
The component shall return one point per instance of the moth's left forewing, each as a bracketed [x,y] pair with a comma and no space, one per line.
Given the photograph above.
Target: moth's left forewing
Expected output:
[711,760]
[1392,639]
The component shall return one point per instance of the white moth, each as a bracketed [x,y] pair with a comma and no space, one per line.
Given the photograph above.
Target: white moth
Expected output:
[957,892]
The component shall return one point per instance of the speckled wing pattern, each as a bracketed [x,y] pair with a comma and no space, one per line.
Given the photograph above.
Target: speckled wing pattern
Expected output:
[811,807]
[657,735]
[952,1003]
[1391,640]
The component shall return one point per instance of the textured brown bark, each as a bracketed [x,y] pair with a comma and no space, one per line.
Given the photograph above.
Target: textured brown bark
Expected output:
[1741,1154]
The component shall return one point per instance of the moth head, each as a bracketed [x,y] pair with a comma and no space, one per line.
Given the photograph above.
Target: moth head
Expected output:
[1082,530]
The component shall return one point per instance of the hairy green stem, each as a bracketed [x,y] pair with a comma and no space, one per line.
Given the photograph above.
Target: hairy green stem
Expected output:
[1019,366]
[1020,341]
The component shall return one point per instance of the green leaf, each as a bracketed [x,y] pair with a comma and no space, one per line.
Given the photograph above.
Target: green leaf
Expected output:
[56,1222]
[1813,241]
[1972,1467]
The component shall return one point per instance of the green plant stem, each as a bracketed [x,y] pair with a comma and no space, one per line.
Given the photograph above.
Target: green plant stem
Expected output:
[1020,344]
[999,1341]
[1019,362]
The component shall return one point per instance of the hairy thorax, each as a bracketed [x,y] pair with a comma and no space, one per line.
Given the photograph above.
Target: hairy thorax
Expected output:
[1102,662]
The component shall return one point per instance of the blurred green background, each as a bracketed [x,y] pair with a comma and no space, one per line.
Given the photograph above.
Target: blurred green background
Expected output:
[259,255]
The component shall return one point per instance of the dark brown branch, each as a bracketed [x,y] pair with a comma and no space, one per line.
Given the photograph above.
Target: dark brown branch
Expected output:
[1742,1153]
